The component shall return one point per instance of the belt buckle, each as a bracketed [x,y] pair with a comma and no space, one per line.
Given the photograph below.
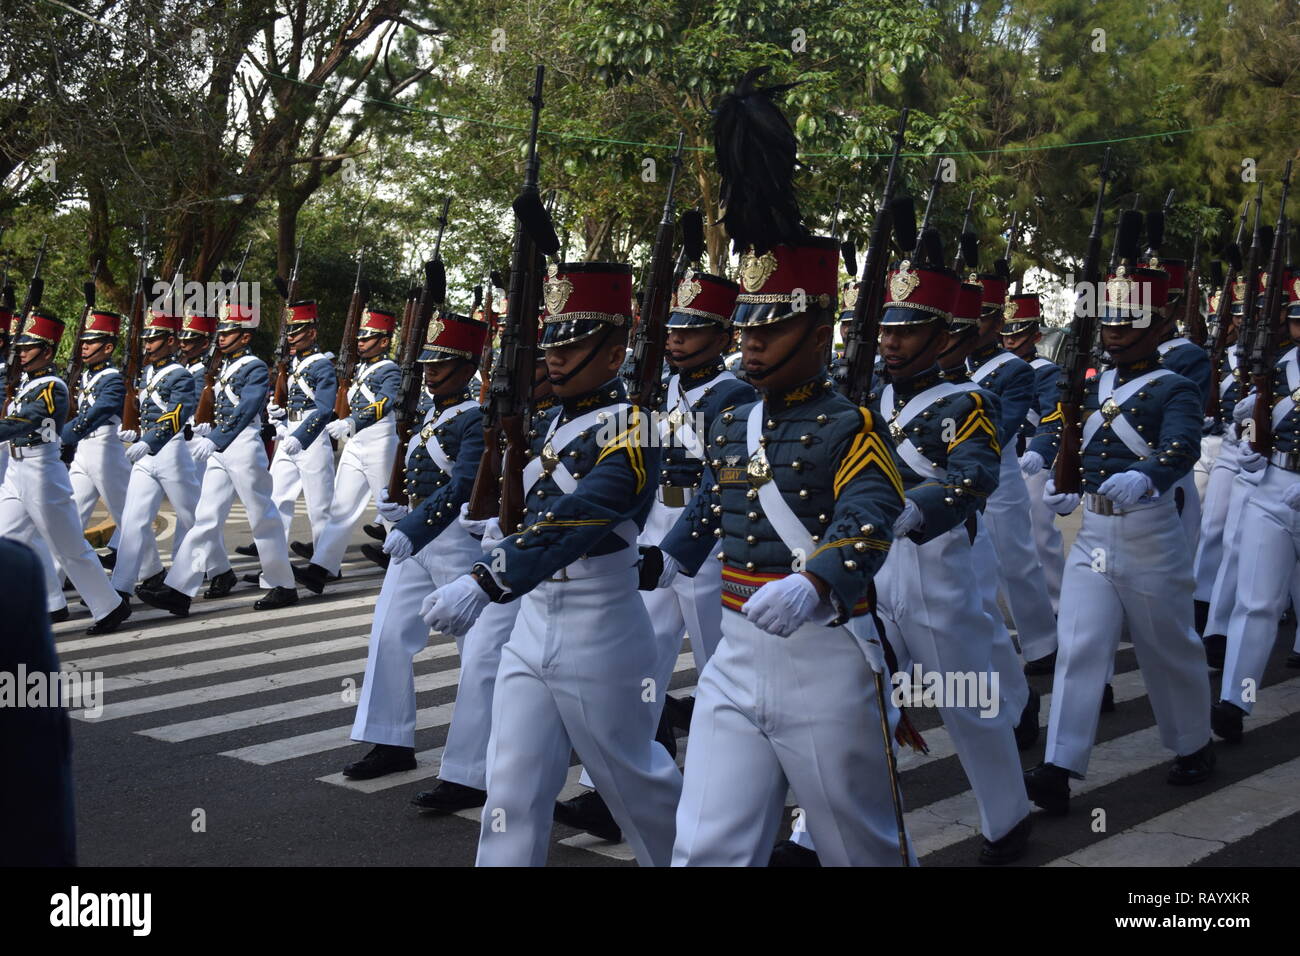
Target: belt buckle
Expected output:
[563,576]
[673,496]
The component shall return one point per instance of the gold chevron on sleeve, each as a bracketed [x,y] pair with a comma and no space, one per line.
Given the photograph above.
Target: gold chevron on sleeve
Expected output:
[976,421]
[172,418]
[1055,415]
[867,449]
[629,440]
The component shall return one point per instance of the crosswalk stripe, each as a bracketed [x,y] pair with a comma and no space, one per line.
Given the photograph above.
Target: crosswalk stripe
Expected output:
[1194,830]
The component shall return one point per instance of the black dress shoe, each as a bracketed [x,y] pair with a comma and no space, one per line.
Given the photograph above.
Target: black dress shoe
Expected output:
[375,531]
[1108,700]
[679,711]
[382,759]
[304,549]
[154,581]
[1216,647]
[1043,665]
[1009,848]
[1293,659]
[790,854]
[62,614]
[664,733]
[221,585]
[1200,615]
[110,621]
[1027,729]
[276,598]
[1049,787]
[247,550]
[312,577]
[1225,720]
[252,577]
[1193,768]
[165,597]
[376,554]
[448,797]
[588,812]
[109,561]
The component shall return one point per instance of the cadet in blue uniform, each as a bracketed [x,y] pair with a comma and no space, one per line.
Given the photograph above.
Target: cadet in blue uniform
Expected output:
[1011,379]
[572,673]
[1141,433]
[160,457]
[304,460]
[1269,542]
[99,467]
[428,546]
[1020,335]
[237,465]
[197,330]
[367,460]
[36,493]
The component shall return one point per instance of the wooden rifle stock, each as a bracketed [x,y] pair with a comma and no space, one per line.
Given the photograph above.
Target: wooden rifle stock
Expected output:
[288,292]
[348,347]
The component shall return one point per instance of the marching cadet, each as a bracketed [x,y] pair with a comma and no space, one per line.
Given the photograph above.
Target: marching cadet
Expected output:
[99,466]
[1141,433]
[1268,540]
[1011,379]
[197,330]
[304,461]
[428,547]
[160,458]
[36,493]
[367,459]
[1020,335]
[462,775]
[930,601]
[236,465]
[572,674]
[699,329]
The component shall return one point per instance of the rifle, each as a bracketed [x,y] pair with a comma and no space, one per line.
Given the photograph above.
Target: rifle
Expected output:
[861,341]
[35,289]
[490,317]
[1223,319]
[1077,352]
[1003,266]
[432,296]
[206,412]
[75,363]
[1193,321]
[964,244]
[498,486]
[1263,345]
[929,209]
[287,292]
[1156,227]
[651,338]
[1249,283]
[348,348]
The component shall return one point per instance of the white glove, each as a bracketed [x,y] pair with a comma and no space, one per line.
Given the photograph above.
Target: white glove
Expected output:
[391,511]
[201,431]
[281,433]
[291,445]
[492,535]
[135,451]
[472,525]
[1243,409]
[340,428]
[781,606]
[201,449]
[398,546]
[1291,497]
[1251,460]
[127,435]
[908,520]
[275,412]
[454,609]
[1063,503]
[1031,463]
[1126,488]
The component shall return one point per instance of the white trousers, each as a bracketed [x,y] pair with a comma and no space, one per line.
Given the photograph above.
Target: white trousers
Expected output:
[1047,537]
[311,473]
[1223,595]
[1210,447]
[1188,499]
[239,470]
[572,678]
[1269,555]
[364,469]
[100,469]
[36,496]
[775,714]
[386,710]
[1012,685]
[933,615]
[1214,518]
[1020,574]
[1132,569]
[170,473]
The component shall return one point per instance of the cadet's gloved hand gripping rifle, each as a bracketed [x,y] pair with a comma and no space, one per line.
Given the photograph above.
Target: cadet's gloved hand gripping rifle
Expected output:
[288,290]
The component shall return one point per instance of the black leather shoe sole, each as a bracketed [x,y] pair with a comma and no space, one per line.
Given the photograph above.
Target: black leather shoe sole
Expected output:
[1009,848]
[247,550]
[1046,793]
[1194,768]
[369,767]
[449,798]
[313,581]
[303,549]
[581,816]
[276,598]
[111,621]
[165,599]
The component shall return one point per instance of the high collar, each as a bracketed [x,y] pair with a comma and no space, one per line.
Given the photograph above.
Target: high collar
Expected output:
[1128,370]
[162,360]
[373,359]
[235,355]
[542,404]
[917,383]
[299,356]
[955,375]
[702,373]
[446,401]
[97,367]
[608,394]
[801,394]
[982,355]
